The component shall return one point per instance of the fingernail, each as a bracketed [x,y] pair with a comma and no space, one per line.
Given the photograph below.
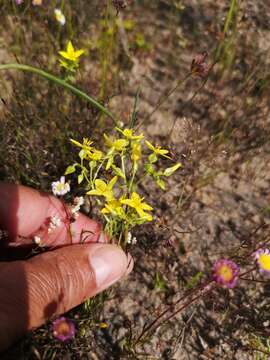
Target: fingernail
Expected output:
[102,237]
[109,264]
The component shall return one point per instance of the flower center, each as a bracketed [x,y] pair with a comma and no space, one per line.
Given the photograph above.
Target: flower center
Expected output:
[63,328]
[264,261]
[225,272]
[60,187]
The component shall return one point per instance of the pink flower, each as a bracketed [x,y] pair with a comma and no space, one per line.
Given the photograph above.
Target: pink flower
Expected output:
[225,272]
[18,2]
[263,260]
[63,329]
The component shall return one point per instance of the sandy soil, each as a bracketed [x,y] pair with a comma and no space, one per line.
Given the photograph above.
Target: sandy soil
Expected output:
[218,202]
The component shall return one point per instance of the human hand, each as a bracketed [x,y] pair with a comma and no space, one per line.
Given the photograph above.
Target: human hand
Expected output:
[49,284]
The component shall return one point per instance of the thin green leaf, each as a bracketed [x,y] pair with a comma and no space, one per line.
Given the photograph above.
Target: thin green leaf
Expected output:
[62,83]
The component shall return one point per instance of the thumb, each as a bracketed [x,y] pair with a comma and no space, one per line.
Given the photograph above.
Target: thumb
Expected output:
[50,284]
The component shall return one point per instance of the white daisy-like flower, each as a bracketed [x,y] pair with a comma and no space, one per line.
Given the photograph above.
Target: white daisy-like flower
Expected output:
[78,202]
[60,17]
[60,187]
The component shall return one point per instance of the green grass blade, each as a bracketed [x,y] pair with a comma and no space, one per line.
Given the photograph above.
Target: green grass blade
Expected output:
[60,82]
[135,109]
[229,19]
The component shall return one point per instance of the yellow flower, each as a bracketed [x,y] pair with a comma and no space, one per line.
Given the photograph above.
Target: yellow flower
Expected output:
[86,145]
[116,145]
[95,155]
[103,189]
[136,152]
[157,150]
[88,151]
[71,54]
[128,133]
[137,203]
[263,260]
[114,207]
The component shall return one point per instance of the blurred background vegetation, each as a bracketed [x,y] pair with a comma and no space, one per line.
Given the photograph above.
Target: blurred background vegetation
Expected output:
[221,128]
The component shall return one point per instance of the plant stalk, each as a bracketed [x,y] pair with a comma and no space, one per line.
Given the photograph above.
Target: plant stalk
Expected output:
[62,83]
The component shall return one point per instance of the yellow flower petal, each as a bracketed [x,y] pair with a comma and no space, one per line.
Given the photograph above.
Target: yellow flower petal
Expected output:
[112,182]
[157,150]
[79,53]
[264,261]
[151,147]
[146,207]
[100,185]
[70,48]
[93,192]
[64,54]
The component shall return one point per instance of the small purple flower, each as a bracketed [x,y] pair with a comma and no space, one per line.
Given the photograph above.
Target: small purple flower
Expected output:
[225,272]
[263,260]
[18,2]
[63,329]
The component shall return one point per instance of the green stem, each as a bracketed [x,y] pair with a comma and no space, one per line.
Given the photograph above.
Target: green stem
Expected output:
[107,48]
[165,97]
[98,170]
[227,24]
[229,16]
[123,166]
[132,178]
[91,178]
[196,92]
[60,82]
[199,291]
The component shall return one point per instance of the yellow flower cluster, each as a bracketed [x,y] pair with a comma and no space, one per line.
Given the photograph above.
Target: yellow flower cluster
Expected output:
[111,179]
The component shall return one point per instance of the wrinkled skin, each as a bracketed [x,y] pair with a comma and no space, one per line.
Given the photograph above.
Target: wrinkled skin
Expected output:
[76,263]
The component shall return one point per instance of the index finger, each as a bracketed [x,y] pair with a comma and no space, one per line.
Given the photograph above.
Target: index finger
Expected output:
[26,215]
